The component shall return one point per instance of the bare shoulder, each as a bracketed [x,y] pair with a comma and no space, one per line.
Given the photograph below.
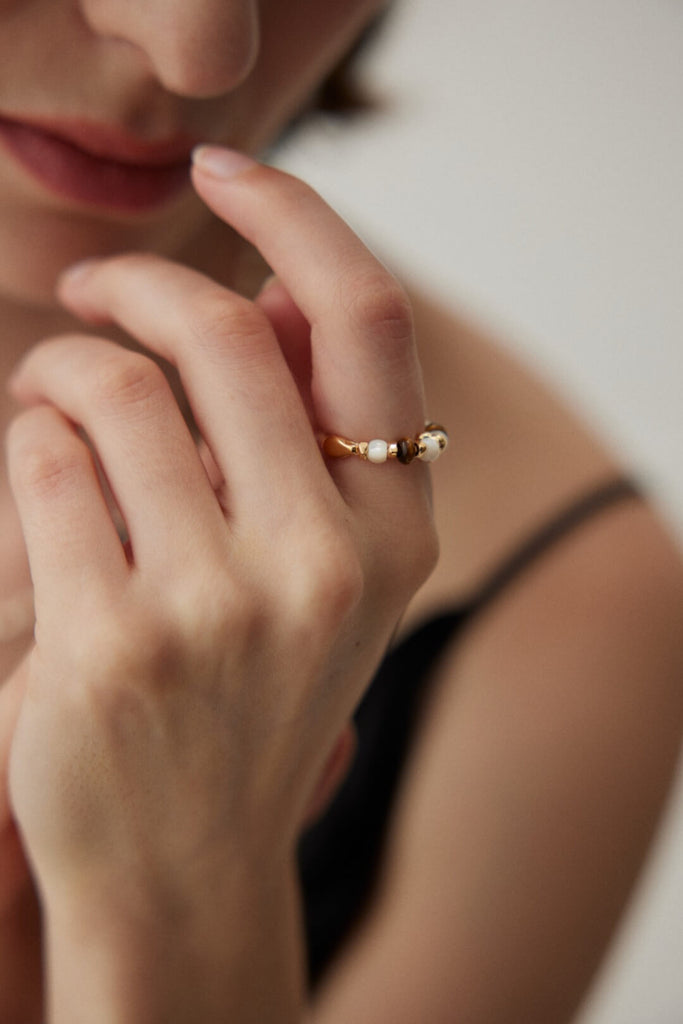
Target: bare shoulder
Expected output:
[520,456]
[551,733]
[532,794]
[519,453]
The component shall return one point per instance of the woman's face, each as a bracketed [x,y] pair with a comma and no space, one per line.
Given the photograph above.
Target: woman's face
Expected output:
[101,102]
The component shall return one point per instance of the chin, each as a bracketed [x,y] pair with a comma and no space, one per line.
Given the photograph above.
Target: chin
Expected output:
[37,244]
[29,277]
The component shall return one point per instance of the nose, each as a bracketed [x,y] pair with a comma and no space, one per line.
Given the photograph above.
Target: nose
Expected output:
[195,48]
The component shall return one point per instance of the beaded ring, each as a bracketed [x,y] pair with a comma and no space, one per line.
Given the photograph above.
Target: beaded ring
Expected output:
[427,446]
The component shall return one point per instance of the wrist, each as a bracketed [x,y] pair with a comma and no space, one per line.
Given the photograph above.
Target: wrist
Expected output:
[227,950]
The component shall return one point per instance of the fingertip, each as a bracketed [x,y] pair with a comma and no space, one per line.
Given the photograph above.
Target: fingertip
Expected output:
[20,388]
[70,291]
[220,163]
[75,275]
[13,385]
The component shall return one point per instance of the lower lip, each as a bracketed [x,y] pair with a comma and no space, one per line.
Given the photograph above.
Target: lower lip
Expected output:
[68,171]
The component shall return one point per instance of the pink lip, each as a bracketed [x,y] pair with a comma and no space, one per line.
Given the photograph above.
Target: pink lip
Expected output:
[98,165]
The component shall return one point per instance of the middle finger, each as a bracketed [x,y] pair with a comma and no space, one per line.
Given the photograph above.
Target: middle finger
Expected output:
[243,397]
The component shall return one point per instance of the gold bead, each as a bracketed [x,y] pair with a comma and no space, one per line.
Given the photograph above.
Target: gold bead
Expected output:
[338,447]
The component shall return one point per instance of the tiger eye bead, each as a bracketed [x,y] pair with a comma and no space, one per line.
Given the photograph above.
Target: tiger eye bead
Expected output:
[407,450]
[427,446]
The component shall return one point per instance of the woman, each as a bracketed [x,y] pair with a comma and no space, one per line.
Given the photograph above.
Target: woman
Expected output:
[214,586]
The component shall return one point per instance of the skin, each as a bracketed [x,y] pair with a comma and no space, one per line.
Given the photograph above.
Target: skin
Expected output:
[325,566]
[218,73]
[165,70]
[111,735]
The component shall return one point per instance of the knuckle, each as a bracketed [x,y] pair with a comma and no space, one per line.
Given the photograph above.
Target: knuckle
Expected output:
[48,470]
[330,583]
[210,611]
[123,656]
[207,608]
[223,319]
[126,380]
[376,302]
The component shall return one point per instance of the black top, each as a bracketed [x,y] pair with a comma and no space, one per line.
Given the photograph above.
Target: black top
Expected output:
[340,853]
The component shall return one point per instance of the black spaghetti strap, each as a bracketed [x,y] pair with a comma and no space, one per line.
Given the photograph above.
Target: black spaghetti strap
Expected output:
[558,526]
[339,855]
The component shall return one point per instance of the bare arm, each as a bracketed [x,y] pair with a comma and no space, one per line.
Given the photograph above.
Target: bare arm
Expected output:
[533,793]
[520,676]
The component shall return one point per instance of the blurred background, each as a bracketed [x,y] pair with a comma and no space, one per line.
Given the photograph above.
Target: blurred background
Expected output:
[526,167]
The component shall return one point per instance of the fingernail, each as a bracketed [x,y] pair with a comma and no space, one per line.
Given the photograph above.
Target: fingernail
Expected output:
[220,162]
[77,272]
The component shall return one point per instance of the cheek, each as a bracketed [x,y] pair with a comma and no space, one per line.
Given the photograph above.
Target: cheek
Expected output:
[301,42]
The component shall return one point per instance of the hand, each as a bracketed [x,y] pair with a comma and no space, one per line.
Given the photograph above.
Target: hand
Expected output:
[201,676]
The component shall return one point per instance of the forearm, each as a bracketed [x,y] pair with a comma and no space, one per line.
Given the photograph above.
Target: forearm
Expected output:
[230,953]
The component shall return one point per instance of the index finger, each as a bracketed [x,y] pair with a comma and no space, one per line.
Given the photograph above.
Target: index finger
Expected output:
[366,376]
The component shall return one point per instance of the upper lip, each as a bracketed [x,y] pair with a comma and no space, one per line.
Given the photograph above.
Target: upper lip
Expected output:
[112,142]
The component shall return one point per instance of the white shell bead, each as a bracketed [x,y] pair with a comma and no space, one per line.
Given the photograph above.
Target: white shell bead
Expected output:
[432,449]
[377,451]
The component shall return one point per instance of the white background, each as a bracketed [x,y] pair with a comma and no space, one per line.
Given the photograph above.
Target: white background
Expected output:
[528,168]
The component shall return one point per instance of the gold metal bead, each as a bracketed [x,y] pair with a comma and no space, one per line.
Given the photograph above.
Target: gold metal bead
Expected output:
[338,447]
[428,445]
